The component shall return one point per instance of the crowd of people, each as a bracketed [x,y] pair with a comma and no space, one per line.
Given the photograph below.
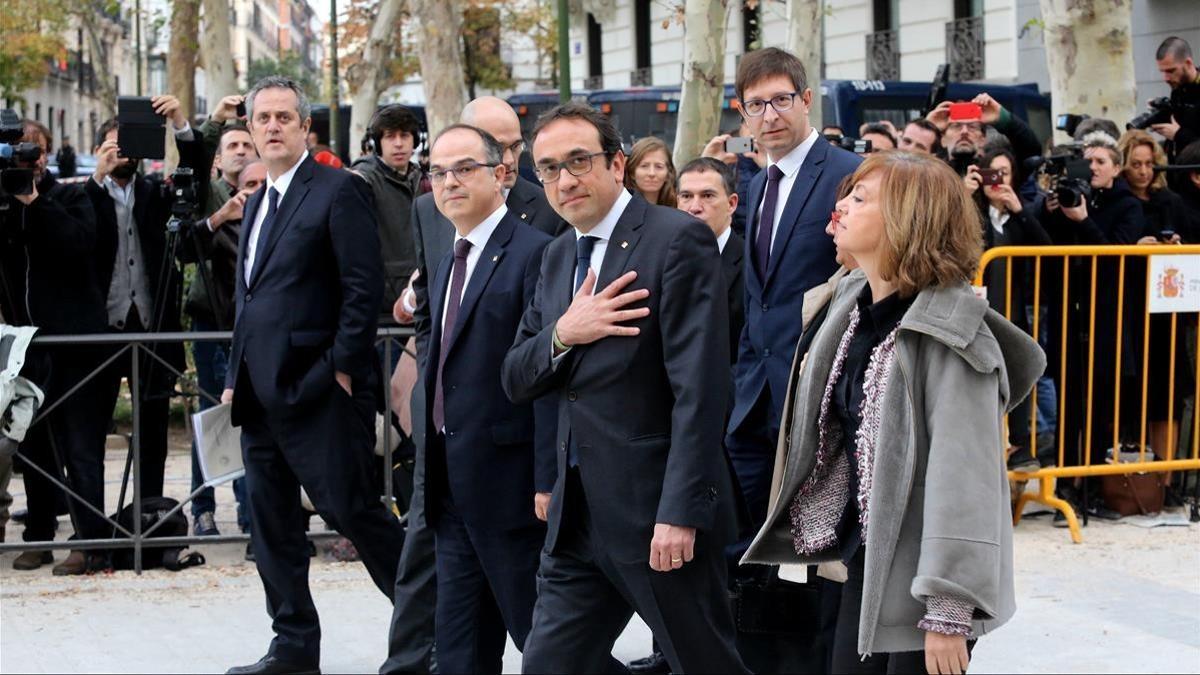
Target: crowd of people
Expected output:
[637,387]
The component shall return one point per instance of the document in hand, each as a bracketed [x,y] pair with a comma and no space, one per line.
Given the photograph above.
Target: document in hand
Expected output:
[218,445]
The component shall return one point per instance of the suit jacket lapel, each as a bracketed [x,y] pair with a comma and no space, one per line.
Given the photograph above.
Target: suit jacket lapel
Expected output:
[757,187]
[489,260]
[810,171]
[521,203]
[291,201]
[437,308]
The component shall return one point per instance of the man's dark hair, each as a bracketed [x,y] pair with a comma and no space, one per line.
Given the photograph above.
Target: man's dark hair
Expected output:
[1096,124]
[493,150]
[882,130]
[760,64]
[922,123]
[1189,155]
[102,130]
[726,172]
[1176,47]
[610,138]
[36,127]
[235,126]
[392,118]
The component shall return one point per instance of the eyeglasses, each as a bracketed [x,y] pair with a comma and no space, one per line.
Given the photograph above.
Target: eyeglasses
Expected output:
[576,165]
[780,102]
[462,172]
[969,126]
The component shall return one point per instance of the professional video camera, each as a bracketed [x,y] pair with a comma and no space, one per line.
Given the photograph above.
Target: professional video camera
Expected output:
[16,158]
[856,145]
[185,202]
[1162,109]
[1066,175]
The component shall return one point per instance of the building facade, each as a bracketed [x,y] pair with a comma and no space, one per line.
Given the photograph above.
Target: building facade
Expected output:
[623,43]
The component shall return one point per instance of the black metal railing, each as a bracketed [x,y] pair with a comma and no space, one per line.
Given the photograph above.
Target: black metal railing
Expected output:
[883,55]
[642,77]
[594,82]
[138,347]
[964,48]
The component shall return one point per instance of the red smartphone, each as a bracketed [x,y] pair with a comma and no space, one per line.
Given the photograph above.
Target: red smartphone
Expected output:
[965,112]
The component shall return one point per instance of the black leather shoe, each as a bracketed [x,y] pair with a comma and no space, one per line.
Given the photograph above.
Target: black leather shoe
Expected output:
[650,665]
[269,665]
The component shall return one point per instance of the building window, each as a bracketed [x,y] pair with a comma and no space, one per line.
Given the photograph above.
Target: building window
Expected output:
[964,9]
[886,14]
[595,47]
[37,112]
[641,29]
[50,122]
[751,27]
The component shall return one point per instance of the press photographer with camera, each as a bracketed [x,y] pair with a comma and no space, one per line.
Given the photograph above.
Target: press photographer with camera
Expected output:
[965,127]
[1104,211]
[135,258]
[1175,117]
[47,279]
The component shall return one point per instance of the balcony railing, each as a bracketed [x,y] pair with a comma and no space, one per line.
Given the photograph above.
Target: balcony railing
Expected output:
[883,55]
[642,77]
[964,48]
[594,82]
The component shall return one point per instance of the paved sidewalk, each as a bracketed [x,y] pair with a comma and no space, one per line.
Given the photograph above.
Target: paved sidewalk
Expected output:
[1126,600]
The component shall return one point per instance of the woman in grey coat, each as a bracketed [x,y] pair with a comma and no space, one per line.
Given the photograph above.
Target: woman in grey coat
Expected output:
[895,462]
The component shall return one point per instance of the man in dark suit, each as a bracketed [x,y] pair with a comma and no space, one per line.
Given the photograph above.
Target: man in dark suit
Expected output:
[302,369]
[787,253]
[707,189]
[411,642]
[641,507]
[485,457]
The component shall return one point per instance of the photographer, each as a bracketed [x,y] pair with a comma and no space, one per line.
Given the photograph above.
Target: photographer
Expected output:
[1174,60]
[746,165]
[47,279]
[136,273]
[964,138]
[1111,214]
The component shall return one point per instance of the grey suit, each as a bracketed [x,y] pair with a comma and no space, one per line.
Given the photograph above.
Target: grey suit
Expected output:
[411,640]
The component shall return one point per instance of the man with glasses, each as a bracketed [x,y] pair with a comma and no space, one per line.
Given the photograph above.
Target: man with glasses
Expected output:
[433,233]
[964,139]
[787,254]
[628,315]
[485,458]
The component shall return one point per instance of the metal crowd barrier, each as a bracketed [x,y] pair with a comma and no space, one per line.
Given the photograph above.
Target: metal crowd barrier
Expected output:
[1181,289]
[133,345]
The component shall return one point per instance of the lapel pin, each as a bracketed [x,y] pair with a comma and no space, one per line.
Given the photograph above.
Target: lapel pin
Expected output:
[495,258]
[624,244]
[522,216]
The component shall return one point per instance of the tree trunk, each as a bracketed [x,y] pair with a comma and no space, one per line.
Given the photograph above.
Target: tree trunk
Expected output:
[703,76]
[219,76]
[1089,52]
[101,62]
[804,40]
[441,61]
[372,71]
[181,59]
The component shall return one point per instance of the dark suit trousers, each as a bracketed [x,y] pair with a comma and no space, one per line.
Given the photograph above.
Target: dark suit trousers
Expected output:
[327,449]
[585,599]
[487,586]
[410,642]
[751,449]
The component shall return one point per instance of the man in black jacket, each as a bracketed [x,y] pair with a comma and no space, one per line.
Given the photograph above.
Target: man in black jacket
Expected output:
[1175,62]
[137,275]
[47,279]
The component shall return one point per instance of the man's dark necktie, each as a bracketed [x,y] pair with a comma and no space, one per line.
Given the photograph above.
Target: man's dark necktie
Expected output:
[766,222]
[583,259]
[264,231]
[457,278]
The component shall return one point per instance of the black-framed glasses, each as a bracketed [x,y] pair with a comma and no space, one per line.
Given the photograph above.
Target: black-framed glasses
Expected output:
[780,102]
[576,165]
[462,172]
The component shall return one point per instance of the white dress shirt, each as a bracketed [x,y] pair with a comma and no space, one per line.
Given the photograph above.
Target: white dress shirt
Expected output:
[479,238]
[998,218]
[723,239]
[790,165]
[281,185]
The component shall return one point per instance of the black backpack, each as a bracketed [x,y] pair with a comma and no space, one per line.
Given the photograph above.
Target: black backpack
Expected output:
[154,510]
